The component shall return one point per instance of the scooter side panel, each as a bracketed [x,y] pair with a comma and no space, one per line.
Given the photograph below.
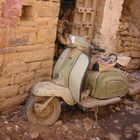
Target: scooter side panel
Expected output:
[76,76]
[60,62]
[49,89]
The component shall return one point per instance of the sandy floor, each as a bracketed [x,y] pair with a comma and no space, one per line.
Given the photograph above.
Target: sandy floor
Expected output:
[115,122]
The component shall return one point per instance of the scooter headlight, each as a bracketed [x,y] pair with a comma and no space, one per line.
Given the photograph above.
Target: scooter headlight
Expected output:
[77,42]
[71,40]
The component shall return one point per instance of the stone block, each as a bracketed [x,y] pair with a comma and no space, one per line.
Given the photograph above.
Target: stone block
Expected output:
[131,48]
[15,68]
[5,50]
[26,29]
[42,35]
[9,91]
[28,2]
[1,60]
[32,38]
[47,63]
[28,48]
[10,103]
[34,66]
[48,10]
[44,10]
[4,81]
[12,79]
[22,90]
[46,72]
[51,34]
[24,83]
[36,55]
[132,66]
[24,77]
[135,61]
[42,21]
[34,81]
[135,54]
[30,56]
[18,40]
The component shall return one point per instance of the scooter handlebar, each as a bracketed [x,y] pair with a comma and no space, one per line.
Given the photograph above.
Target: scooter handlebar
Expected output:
[97,49]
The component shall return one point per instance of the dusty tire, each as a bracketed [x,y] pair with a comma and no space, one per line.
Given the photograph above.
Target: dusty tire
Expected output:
[49,115]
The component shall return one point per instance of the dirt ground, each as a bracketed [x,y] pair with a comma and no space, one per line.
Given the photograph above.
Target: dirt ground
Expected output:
[115,122]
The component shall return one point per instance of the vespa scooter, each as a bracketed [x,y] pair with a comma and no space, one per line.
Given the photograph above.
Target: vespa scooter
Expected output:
[73,83]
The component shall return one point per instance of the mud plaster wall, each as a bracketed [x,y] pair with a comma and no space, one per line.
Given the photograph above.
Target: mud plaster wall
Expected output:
[26,51]
[129,33]
[108,28]
[98,22]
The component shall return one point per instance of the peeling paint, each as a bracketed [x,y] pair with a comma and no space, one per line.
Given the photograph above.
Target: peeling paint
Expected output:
[10,12]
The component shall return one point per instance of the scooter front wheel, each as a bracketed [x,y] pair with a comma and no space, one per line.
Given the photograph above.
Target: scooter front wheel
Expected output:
[48,116]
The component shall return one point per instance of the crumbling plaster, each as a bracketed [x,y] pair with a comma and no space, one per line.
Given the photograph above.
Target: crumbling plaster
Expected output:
[110,24]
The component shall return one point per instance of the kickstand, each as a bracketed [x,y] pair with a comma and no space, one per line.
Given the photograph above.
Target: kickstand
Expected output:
[96,113]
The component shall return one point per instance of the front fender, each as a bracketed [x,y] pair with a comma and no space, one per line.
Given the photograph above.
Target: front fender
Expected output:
[50,89]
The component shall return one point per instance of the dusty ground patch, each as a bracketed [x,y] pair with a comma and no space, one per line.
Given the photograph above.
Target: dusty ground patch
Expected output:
[117,122]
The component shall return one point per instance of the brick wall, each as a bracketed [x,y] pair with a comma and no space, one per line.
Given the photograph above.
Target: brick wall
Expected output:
[26,51]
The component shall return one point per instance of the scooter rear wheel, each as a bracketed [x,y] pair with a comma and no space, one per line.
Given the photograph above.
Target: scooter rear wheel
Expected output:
[48,116]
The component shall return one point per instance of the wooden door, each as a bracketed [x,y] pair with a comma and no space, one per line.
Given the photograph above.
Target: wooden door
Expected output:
[84,18]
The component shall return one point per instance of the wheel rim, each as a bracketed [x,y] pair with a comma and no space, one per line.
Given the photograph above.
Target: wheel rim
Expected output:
[46,113]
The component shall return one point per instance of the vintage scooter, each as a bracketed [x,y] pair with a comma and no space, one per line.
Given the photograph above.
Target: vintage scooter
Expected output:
[74,83]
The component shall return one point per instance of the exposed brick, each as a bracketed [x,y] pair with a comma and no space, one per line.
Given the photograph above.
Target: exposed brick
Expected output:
[34,81]
[19,41]
[4,81]
[135,54]
[24,77]
[9,91]
[7,50]
[43,72]
[43,21]
[51,35]
[12,102]
[31,48]
[47,63]
[29,56]
[28,2]
[1,60]
[32,38]
[21,90]
[36,55]
[26,29]
[42,35]
[15,68]
[34,66]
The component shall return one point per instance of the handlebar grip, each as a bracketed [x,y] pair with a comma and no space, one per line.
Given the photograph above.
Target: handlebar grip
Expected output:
[99,49]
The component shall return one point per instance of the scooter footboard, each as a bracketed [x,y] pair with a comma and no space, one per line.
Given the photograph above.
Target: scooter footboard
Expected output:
[91,102]
[50,89]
